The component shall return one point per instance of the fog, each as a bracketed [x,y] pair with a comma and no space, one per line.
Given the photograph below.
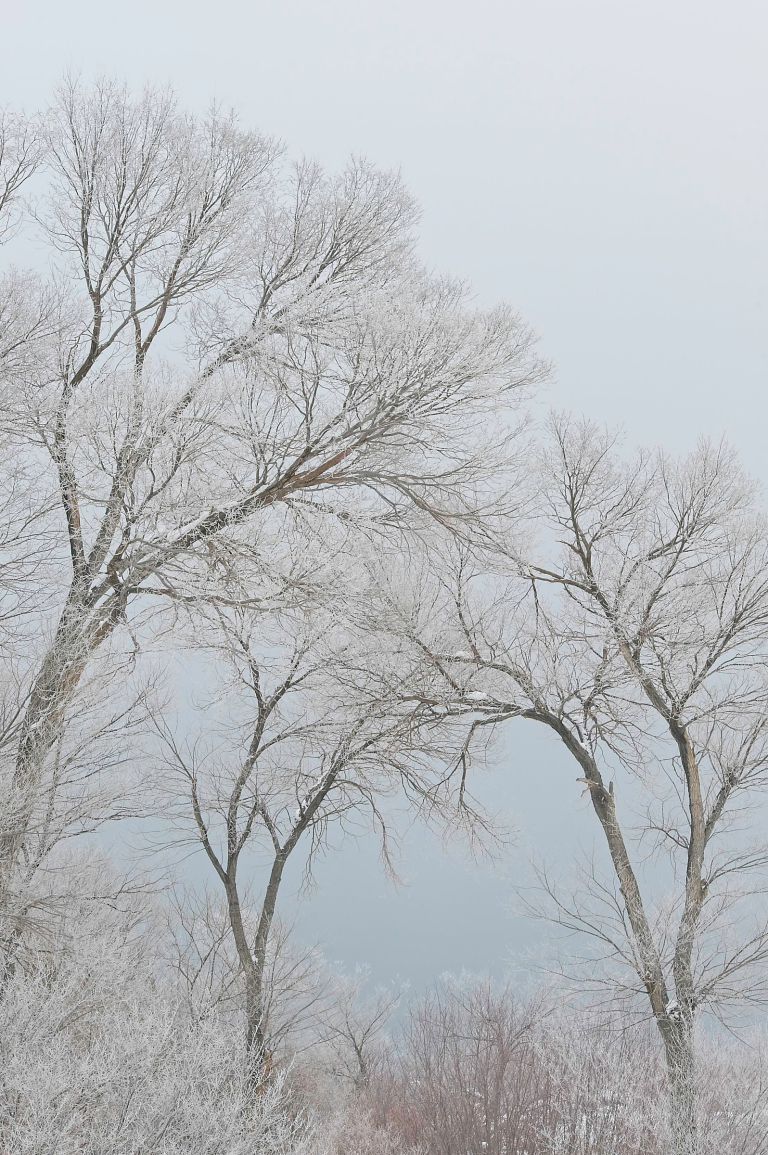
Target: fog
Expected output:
[601,165]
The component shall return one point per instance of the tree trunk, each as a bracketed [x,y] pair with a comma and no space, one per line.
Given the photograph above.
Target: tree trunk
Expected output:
[681,1072]
[56,680]
[259,1058]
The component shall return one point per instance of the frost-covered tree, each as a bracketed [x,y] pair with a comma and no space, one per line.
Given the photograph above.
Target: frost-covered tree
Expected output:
[636,632]
[221,342]
[293,749]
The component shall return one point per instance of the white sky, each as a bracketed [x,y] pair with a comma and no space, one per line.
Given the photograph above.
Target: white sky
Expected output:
[600,163]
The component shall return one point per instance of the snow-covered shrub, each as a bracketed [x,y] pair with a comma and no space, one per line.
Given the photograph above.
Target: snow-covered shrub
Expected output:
[99,1054]
[354,1131]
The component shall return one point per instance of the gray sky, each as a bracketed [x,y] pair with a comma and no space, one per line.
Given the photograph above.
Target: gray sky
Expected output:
[602,164]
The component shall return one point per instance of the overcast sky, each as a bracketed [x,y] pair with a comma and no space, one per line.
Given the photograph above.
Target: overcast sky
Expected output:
[602,165]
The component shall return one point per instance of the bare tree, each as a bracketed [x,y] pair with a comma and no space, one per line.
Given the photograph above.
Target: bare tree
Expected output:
[298,985]
[312,370]
[353,1025]
[292,756]
[638,637]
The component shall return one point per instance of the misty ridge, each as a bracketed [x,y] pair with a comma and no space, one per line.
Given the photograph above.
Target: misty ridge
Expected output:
[247,433]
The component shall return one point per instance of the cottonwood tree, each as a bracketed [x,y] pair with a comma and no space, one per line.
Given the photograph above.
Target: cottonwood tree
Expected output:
[639,637]
[298,984]
[289,758]
[224,342]
[308,1005]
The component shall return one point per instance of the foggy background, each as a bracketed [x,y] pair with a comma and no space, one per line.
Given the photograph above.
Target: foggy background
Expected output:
[603,166]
